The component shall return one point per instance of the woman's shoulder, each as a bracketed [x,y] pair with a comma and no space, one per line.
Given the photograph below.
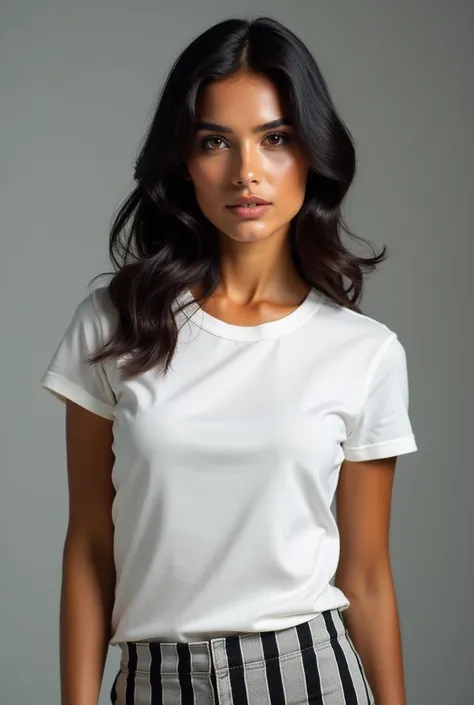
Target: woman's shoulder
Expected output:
[97,308]
[352,326]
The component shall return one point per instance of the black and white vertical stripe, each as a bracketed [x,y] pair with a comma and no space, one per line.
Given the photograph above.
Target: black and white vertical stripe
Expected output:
[314,663]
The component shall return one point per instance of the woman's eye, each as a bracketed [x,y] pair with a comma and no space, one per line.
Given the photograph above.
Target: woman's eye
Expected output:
[212,143]
[283,136]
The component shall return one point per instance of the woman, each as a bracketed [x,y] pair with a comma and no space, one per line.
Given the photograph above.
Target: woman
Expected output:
[219,391]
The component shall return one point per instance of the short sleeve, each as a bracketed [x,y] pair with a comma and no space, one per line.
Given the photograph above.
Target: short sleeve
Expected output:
[383,428]
[69,375]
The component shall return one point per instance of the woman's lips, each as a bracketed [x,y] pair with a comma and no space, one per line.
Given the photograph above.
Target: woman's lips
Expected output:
[248,212]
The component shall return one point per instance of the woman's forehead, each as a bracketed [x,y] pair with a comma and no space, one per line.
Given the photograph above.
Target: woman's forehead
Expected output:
[240,100]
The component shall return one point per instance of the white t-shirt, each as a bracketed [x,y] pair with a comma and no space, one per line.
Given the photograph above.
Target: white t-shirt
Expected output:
[225,468]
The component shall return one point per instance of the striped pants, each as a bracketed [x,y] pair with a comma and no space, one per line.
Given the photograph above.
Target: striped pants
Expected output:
[314,663]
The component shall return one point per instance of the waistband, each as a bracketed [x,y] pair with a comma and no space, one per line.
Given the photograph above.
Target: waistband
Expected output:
[231,651]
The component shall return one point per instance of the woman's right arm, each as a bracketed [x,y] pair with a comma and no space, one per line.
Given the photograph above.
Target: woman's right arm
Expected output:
[88,574]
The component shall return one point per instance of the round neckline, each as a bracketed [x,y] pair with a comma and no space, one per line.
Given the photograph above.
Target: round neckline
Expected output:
[270,329]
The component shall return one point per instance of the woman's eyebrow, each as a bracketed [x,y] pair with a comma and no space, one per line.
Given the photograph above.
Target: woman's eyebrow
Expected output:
[215,127]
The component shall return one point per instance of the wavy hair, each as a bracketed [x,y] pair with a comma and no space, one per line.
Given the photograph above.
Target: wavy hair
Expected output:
[161,243]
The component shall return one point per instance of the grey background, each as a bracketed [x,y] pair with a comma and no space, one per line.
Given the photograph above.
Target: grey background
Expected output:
[78,83]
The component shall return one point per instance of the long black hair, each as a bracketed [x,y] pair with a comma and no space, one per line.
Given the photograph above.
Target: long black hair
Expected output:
[170,245]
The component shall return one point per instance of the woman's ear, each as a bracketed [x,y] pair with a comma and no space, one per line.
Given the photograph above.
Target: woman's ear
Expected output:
[185,172]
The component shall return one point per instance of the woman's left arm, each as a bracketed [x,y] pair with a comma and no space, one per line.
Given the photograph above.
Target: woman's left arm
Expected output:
[363,502]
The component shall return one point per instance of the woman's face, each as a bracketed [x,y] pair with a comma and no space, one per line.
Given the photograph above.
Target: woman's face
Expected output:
[237,153]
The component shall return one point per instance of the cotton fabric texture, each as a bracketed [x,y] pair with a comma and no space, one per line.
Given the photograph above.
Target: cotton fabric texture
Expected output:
[225,468]
[314,663]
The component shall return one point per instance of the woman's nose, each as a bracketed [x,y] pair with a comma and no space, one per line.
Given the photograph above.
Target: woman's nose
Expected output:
[246,168]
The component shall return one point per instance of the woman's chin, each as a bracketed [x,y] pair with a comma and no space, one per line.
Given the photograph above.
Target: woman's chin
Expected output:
[248,232]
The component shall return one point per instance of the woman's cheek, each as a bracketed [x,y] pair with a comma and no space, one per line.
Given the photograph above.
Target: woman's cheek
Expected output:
[285,164]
